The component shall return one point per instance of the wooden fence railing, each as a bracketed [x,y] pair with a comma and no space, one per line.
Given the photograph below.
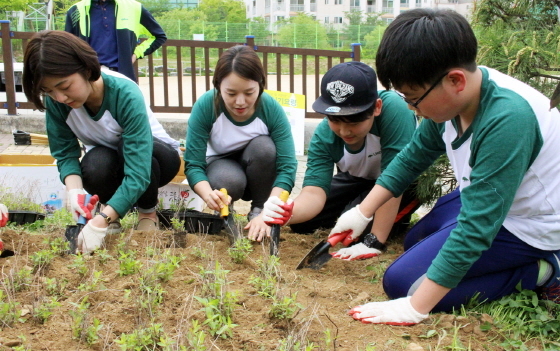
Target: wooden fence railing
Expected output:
[168,84]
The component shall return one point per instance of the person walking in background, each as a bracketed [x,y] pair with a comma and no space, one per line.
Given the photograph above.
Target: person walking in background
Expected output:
[239,138]
[128,153]
[501,228]
[363,131]
[113,29]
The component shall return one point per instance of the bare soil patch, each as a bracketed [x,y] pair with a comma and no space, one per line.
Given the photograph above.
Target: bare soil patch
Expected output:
[324,297]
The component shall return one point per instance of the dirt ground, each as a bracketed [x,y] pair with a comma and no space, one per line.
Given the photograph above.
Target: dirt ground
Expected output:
[324,297]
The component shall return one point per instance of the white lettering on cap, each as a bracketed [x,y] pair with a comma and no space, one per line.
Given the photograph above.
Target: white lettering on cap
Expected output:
[334,109]
[340,91]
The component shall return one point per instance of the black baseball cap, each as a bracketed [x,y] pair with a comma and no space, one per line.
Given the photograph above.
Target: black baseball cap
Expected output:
[347,89]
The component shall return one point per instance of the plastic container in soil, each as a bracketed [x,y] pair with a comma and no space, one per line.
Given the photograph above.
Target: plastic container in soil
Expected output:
[195,221]
[25,217]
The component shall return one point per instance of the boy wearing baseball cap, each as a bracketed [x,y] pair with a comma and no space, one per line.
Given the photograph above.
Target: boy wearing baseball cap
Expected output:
[363,131]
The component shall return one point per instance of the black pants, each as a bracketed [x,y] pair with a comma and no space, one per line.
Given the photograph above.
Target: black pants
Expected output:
[247,174]
[103,172]
[346,192]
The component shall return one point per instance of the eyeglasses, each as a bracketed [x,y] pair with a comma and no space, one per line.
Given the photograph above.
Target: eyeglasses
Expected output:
[417,102]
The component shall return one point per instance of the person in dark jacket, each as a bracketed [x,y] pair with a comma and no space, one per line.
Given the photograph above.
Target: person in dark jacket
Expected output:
[112,28]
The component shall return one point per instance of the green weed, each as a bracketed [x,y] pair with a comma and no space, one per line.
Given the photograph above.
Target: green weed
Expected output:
[523,316]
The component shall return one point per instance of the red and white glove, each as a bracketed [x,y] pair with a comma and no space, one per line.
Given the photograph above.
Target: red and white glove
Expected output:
[91,238]
[276,211]
[393,312]
[352,220]
[4,215]
[356,252]
[78,205]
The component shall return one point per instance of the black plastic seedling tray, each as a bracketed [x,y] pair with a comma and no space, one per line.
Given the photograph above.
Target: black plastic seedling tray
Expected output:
[195,221]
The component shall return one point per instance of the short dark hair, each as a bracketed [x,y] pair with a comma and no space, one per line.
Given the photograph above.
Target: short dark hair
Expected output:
[53,53]
[243,61]
[422,44]
[355,118]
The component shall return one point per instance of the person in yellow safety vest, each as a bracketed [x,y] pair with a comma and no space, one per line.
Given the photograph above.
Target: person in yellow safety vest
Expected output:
[113,29]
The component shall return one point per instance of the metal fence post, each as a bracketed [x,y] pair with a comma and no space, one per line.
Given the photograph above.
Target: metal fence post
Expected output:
[7,53]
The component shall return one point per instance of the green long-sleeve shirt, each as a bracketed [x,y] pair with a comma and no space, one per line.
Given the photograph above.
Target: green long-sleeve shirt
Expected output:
[208,135]
[507,165]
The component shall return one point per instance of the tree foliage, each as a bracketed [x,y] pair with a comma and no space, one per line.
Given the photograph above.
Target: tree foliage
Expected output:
[232,11]
[14,5]
[302,31]
[183,23]
[520,38]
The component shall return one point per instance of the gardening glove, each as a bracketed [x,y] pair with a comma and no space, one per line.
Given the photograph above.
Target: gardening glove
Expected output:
[352,220]
[393,312]
[276,211]
[78,205]
[91,238]
[4,215]
[356,252]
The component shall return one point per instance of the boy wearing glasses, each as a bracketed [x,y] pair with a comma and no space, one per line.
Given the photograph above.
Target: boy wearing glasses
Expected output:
[363,131]
[502,228]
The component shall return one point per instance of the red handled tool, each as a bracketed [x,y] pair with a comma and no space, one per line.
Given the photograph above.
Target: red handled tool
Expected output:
[275,228]
[319,255]
[72,231]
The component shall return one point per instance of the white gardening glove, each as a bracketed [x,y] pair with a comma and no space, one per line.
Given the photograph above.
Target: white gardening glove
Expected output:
[77,203]
[4,215]
[393,312]
[275,211]
[91,238]
[352,220]
[356,252]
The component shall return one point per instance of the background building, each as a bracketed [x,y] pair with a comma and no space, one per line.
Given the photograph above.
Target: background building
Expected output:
[332,11]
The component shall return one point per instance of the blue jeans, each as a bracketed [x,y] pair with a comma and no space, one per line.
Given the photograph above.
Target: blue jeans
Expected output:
[508,262]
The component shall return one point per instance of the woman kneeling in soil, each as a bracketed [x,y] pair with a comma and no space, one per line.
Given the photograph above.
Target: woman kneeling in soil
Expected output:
[240,139]
[107,113]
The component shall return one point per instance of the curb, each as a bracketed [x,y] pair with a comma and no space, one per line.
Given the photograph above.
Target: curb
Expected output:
[175,127]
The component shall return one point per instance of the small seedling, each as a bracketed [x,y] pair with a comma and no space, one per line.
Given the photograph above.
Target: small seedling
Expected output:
[195,337]
[128,264]
[44,310]
[91,334]
[79,265]
[284,307]
[54,287]
[41,259]
[9,312]
[103,256]
[79,318]
[240,250]
[93,284]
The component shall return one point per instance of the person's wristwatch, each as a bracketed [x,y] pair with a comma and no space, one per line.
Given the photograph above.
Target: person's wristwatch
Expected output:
[107,218]
[370,240]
